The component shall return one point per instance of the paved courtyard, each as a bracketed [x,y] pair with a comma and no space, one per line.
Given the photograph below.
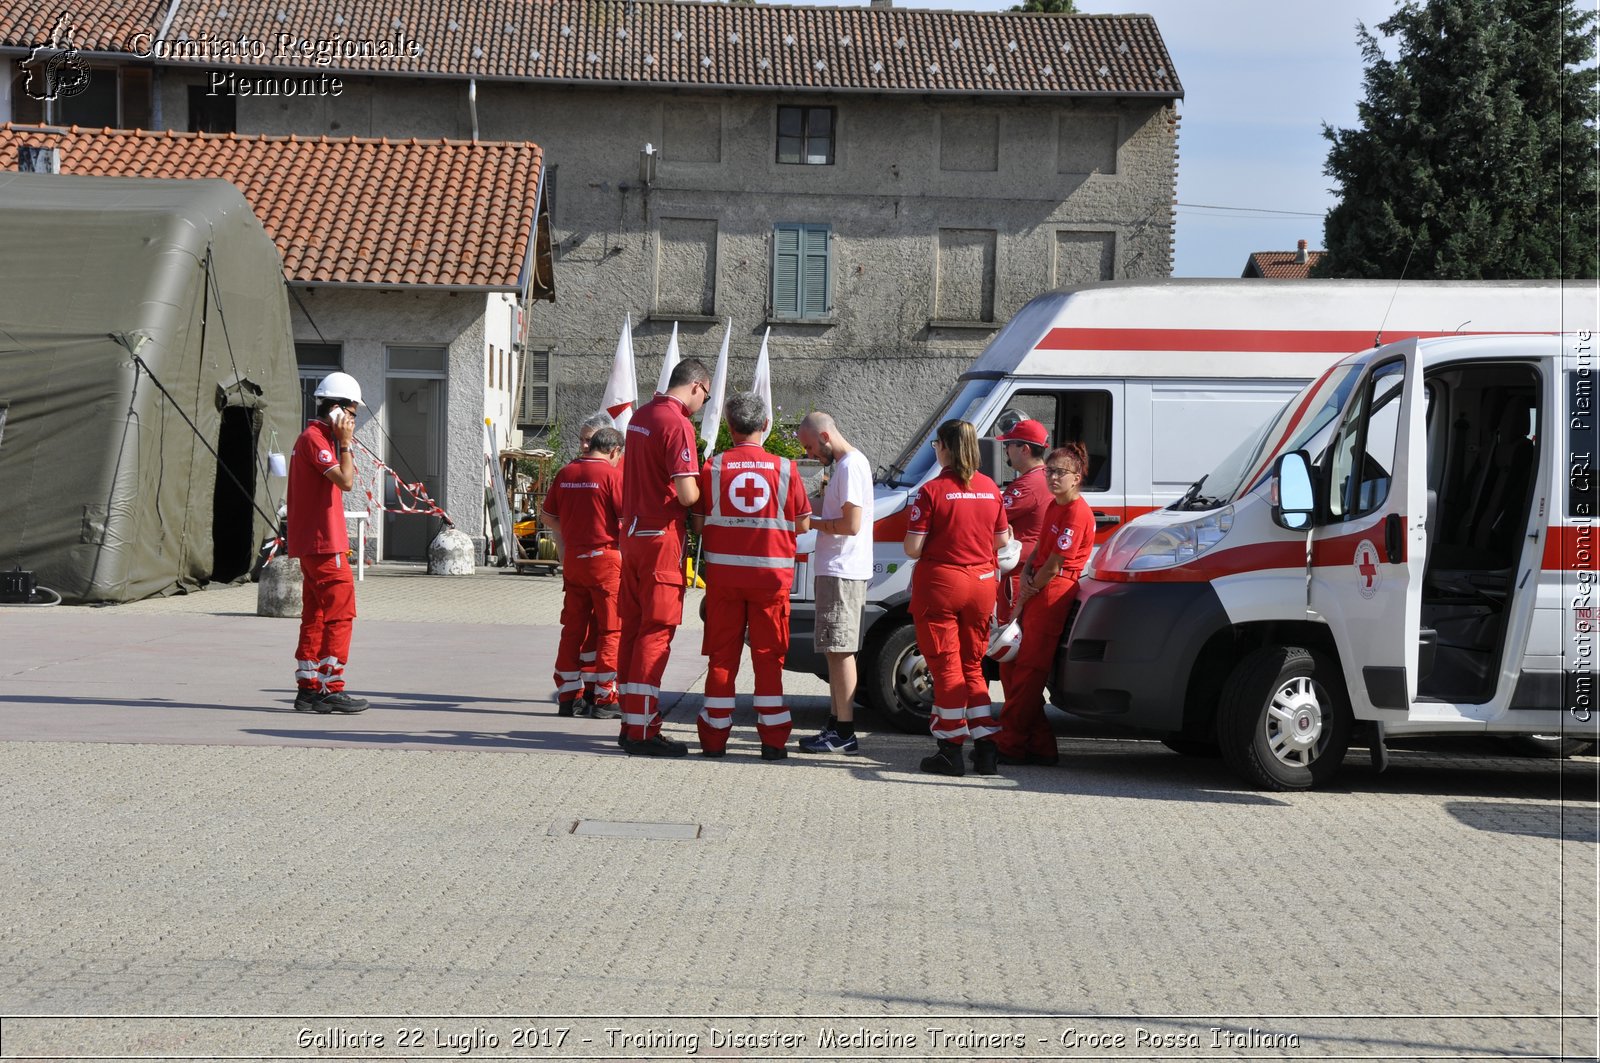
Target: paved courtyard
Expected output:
[462,863]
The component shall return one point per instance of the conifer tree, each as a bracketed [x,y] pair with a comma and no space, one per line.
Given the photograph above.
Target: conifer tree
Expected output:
[1475,156]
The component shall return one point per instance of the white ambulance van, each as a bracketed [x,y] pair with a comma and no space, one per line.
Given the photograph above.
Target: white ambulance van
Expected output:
[1160,380]
[1407,548]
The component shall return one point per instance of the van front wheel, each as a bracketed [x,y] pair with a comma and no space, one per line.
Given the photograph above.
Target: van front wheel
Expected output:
[895,677]
[1281,721]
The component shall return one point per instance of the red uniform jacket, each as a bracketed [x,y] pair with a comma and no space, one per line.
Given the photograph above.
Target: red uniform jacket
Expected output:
[751,501]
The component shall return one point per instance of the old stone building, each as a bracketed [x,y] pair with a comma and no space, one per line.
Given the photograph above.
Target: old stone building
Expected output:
[882,187]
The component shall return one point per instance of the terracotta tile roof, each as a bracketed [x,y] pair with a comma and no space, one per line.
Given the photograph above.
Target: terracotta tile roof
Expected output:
[1280,265]
[350,211]
[92,25]
[673,42]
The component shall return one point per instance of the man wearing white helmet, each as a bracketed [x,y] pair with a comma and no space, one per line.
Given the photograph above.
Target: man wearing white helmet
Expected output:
[321,469]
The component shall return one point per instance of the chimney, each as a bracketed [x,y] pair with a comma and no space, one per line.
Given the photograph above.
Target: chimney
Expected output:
[34,159]
[1300,253]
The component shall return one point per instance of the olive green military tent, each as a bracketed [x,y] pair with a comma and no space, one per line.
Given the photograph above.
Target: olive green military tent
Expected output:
[145,354]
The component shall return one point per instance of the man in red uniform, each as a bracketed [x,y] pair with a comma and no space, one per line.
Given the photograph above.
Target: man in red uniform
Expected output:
[660,482]
[752,505]
[321,469]
[583,509]
[1025,498]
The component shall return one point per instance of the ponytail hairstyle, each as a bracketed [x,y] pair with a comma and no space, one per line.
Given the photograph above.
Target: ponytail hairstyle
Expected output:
[1075,453]
[961,440]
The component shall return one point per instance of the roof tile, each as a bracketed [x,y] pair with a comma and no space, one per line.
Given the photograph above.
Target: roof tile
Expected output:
[332,219]
[649,42]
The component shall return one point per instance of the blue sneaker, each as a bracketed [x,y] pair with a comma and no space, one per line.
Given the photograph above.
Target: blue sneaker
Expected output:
[829,741]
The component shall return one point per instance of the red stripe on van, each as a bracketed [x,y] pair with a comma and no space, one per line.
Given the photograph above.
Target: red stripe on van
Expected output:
[1570,549]
[892,529]
[1262,341]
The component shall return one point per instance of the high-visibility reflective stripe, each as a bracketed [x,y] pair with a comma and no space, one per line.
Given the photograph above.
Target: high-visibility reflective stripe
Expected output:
[307,670]
[780,497]
[775,523]
[769,701]
[567,688]
[721,723]
[772,719]
[720,703]
[588,658]
[978,712]
[959,713]
[636,719]
[592,553]
[987,575]
[644,689]
[740,561]
[599,677]
[979,731]
[568,675]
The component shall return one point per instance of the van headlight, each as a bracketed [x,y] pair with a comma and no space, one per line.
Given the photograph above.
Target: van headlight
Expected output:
[1174,544]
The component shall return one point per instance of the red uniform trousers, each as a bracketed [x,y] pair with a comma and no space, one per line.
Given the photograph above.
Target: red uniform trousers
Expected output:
[730,611]
[1011,586]
[586,657]
[1023,727]
[951,605]
[651,605]
[327,613]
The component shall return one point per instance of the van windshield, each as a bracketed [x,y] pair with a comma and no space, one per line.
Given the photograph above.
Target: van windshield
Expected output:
[916,460]
[1301,418]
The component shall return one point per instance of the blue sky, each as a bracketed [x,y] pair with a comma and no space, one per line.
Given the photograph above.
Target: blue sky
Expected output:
[1260,77]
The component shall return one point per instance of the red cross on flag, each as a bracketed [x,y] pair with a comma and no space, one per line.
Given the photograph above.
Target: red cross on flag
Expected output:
[622,393]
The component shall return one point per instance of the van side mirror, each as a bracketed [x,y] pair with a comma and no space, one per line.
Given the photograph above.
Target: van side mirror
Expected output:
[1294,501]
[991,459]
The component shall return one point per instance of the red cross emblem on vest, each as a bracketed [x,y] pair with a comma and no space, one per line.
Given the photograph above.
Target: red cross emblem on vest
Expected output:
[749,493]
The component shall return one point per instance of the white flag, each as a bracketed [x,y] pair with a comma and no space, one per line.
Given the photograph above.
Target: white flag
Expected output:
[671,362]
[711,412]
[761,386]
[622,393]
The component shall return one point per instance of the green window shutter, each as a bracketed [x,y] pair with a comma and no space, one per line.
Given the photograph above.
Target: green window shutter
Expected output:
[786,271]
[814,271]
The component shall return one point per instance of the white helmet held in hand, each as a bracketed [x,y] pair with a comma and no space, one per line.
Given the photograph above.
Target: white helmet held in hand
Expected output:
[1005,642]
[339,386]
[1009,554]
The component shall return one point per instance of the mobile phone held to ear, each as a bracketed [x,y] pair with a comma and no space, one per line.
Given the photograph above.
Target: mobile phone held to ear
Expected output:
[336,416]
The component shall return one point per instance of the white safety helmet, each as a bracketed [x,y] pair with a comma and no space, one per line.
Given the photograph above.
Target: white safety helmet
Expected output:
[1009,554]
[339,386]
[1005,642]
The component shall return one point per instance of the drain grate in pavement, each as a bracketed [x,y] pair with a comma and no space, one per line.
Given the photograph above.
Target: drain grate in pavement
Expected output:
[605,828]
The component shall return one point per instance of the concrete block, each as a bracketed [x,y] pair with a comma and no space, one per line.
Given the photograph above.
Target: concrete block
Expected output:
[278,593]
[451,554]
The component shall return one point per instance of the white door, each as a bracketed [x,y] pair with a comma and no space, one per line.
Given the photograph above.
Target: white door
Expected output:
[1367,549]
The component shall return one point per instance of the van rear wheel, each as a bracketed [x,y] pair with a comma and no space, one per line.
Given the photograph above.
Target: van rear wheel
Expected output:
[896,679]
[1281,721]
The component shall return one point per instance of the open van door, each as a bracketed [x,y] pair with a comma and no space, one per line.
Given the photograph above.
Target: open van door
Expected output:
[1285,714]
[1369,538]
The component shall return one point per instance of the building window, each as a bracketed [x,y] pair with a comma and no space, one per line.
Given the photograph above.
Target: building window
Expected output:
[538,393]
[800,271]
[315,361]
[212,114]
[113,97]
[805,135]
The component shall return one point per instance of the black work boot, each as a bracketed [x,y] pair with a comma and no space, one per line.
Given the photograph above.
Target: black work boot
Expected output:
[947,761]
[985,757]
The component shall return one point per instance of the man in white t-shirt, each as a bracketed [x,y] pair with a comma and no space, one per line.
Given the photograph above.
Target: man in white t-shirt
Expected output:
[843,562]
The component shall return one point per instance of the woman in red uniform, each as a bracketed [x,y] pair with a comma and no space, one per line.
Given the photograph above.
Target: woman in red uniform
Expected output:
[957,524]
[1066,538]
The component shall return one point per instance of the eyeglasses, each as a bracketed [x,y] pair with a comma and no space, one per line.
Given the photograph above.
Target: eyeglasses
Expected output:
[1053,471]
